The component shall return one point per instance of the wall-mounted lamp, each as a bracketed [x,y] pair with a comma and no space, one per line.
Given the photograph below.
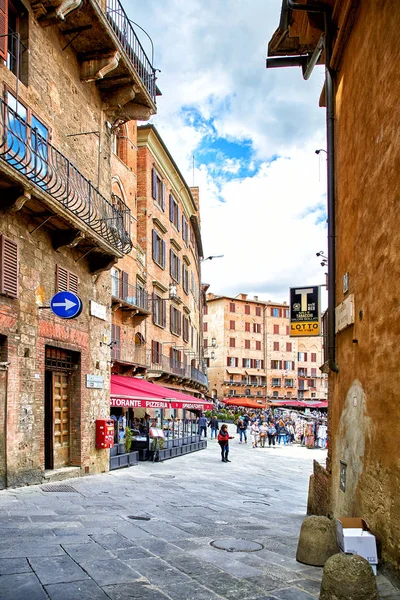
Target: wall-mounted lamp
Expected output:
[324,261]
[213,342]
[211,257]
[212,355]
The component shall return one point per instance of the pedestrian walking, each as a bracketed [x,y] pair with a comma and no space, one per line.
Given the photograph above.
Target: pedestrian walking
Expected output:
[203,425]
[254,429]
[223,441]
[242,426]
[213,424]
[263,434]
[271,432]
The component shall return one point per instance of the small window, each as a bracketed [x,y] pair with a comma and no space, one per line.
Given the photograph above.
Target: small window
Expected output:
[205,343]
[232,342]
[276,346]
[174,266]
[313,357]
[175,321]
[256,327]
[247,309]
[158,189]
[258,311]
[232,307]
[66,281]
[205,327]
[288,347]
[205,309]
[276,329]
[258,345]
[159,249]
[9,267]
[185,230]
[247,344]
[185,329]
[185,283]
[231,324]
[156,352]
[247,327]
[159,311]
[174,212]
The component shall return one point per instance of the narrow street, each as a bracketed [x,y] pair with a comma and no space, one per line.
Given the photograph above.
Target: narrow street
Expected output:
[146,532]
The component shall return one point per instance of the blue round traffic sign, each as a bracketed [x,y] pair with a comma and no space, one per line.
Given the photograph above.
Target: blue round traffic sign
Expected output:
[66,305]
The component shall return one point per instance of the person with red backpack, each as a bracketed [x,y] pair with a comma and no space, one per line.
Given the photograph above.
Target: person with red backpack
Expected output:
[223,441]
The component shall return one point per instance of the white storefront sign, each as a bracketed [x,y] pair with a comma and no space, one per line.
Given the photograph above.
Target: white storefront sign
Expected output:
[98,310]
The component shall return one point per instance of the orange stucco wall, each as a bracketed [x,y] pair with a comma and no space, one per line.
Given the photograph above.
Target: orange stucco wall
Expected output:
[365,394]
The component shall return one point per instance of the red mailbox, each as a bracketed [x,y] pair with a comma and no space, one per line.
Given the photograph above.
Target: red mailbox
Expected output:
[104,433]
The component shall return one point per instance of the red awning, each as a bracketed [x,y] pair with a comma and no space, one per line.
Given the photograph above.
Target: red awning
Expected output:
[243,402]
[138,393]
[322,404]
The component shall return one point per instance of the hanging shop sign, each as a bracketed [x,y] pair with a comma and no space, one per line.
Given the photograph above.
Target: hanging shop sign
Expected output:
[142,403]
[305,311]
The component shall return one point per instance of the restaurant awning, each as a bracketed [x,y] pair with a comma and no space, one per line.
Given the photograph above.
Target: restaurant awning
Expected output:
[234,371]
[255,372]
[244,402]
[133,392]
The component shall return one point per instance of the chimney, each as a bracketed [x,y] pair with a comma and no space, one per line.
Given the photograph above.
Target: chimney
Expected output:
[256,298]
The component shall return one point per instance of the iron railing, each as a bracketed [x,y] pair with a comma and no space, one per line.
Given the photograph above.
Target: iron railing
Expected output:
[29,153]
[131,294]
[126,35]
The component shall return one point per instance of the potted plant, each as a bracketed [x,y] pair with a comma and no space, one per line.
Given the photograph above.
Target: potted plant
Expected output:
[128,439]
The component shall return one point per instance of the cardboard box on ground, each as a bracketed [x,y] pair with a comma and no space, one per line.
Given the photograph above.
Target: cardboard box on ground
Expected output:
[355,537]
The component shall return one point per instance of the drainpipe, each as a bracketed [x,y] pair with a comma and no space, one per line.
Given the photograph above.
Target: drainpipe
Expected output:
[326,11]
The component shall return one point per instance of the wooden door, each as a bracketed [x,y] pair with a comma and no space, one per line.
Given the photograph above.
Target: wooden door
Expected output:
[61,419]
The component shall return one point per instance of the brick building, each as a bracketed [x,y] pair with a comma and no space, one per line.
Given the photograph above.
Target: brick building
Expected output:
[361,55]
[69,75]
[250,354]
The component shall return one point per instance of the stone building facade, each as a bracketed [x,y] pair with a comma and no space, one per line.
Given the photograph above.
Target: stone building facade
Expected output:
[363,164]
[61,229]
[250,354]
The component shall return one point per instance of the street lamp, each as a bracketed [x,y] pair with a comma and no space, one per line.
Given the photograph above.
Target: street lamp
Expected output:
[211,257]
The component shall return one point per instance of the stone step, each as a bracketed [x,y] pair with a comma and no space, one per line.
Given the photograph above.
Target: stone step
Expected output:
[61,474]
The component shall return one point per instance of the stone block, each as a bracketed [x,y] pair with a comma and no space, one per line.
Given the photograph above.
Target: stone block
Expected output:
[348,577]
[317,541]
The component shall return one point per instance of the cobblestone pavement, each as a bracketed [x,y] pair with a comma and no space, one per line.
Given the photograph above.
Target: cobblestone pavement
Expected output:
[145,532]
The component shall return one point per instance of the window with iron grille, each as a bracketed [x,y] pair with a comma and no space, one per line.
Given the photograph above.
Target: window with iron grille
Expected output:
[158,189]
[175,321]
[66,281]
[9,267]
[159,310]
[159,249]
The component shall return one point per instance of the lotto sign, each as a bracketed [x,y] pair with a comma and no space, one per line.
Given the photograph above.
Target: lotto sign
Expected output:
[305,312]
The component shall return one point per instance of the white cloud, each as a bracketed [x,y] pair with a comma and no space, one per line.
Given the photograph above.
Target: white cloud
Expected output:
[214,83]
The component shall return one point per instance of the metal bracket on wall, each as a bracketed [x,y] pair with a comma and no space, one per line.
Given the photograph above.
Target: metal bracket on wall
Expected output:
[41,224]
[77,31]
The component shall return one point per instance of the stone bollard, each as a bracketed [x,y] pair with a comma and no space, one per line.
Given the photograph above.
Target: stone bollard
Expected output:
[348,577]
[317,541]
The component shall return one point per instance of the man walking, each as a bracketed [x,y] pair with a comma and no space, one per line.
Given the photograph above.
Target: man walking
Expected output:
[203,425]
[214,426]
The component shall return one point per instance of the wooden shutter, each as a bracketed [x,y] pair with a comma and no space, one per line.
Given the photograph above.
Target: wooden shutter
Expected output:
[73,282]
[61,279]
[124,287]
[305,356]
[153,351]
[154,245]
[164,312]
[163,252]
[178,220]
[3,28]
[171,258]
[153,182]
[262,364]
[162,196]
[171,208]
[8,267]
[179,322]
[178,270]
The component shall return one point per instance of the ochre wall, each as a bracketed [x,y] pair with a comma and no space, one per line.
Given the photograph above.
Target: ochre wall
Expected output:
[364,395]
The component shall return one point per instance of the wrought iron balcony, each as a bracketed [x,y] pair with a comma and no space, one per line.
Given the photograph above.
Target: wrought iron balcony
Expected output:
[126,35]
[131,296]
[32,156]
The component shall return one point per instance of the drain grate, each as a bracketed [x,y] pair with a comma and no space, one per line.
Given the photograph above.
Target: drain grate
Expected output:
[58,488]
[137,518]
[236,545]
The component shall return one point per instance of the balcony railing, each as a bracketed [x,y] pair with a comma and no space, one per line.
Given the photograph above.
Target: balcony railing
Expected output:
[134,295]
[133,48]
[172,366]
[25,150]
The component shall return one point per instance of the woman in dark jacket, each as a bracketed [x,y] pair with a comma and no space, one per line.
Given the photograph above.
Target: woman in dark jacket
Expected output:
[223,441]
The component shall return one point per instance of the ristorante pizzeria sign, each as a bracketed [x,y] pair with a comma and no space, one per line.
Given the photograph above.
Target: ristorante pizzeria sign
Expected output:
[133,403]
[305,311]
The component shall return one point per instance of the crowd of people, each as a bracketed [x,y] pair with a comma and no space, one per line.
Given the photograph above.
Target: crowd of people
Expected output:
[268,428]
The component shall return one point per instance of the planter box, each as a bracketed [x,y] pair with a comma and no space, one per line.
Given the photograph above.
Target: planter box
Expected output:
[174,452]
[123,460]
[133,458]
[194,438]
[176,443]
[114,463]
[167,444]
[164,454]
[143,454]
[114,451]
[121,448]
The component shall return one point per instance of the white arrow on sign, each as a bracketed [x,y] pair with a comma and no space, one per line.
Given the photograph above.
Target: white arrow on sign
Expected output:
[67,304]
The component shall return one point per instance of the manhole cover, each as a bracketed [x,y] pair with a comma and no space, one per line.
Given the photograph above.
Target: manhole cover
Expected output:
[256,502]
[235,545]
[135,518]
[163,476]
[58,488]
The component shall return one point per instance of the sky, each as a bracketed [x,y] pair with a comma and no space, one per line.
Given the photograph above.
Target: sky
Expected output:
[246,136]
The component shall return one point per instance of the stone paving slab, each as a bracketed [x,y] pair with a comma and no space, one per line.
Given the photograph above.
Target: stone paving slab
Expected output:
[82,545]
